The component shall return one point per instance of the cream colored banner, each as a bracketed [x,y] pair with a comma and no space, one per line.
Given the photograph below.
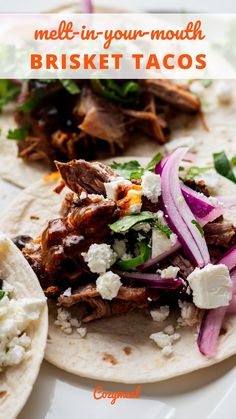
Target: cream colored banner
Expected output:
[127,46]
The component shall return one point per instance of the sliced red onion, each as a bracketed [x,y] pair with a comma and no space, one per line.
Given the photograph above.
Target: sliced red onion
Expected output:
[229,259]
[210,330]
[160,165]
[178,215]
[88,6]
[213,319]
[200,205]
[150,280]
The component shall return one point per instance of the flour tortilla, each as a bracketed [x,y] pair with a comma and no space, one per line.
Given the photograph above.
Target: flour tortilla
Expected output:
[16,382]
[103,353]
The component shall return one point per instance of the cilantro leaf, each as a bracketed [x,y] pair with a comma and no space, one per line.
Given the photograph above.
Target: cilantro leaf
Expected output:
[2,293]
[196,171]
[155,160]
[125,92]
[222,166]
[200,229]
[9,91]
[17,134]
[132,168]
[129,221]
[71,86]
[233,160]
[164,228]
[126,169]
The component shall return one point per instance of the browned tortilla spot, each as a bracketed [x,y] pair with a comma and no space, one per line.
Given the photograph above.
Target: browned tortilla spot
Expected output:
[2,394]
[109,358]
[127,350]
[34,217]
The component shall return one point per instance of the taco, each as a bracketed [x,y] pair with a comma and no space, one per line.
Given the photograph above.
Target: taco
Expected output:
[23,329]
[68,119]
[138,263]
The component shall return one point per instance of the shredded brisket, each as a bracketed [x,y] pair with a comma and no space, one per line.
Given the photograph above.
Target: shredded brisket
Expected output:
[64,126]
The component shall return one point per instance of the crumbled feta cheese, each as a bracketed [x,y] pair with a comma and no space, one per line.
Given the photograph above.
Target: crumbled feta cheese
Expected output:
[15,318]
[168,350]
[161,243]
[82,331]
[170,272]
[197,88]
[165,341]
[187,141]
[100,257]
[95,197]
[169,330]
[190,314]
[223,92]
[119,246]
[112,187]
[211,286]
[151,186]
[140,237]
[83,195]
[108,285]
[160,314]
[145,227]
[67,293]
[66,322]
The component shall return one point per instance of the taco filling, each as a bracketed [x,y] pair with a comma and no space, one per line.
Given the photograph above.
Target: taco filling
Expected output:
[138,238]
[67,119]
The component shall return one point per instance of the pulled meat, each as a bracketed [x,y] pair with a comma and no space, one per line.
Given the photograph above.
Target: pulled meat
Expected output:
[80,174]
[220,233]
[175,95]
[127,299]
[65,126]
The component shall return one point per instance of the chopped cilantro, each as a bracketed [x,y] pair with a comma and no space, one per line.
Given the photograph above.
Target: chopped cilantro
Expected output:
[200,229]
[129,221]
[233,160]
[132,168]
[196,171]
[71,86]
[125,92]
[17,134]
[126,169]
[163,228]
[223,167]
[8,91]
[2,293]
[155,160]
